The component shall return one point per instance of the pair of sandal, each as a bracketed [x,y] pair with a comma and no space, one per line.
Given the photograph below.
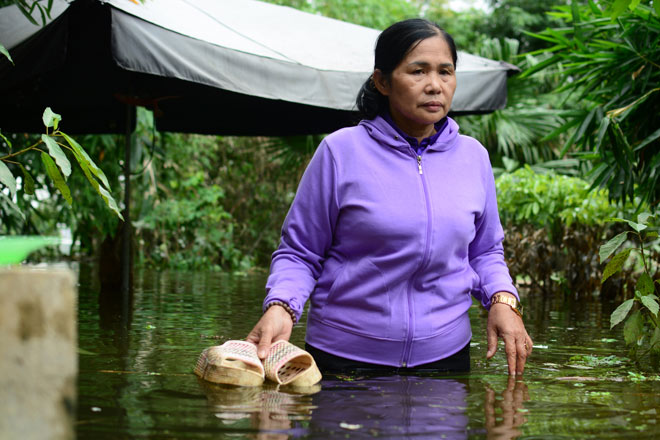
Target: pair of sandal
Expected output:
[237,363]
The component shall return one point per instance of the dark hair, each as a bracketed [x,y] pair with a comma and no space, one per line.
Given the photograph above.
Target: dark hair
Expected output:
[392,46]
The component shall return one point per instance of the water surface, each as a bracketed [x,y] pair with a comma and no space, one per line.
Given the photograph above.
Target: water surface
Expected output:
[136,378]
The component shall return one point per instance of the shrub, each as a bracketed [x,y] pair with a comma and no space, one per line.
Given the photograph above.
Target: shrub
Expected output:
[554,226]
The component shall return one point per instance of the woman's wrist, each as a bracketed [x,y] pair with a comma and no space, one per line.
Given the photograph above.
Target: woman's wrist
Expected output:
[508,299]
[283,305]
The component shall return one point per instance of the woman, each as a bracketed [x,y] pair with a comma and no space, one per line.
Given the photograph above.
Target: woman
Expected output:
[394,226]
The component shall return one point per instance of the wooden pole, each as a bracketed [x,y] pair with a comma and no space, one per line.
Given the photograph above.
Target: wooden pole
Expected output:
[126,230]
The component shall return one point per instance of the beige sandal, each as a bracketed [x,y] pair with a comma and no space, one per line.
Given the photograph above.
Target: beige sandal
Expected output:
[287,364]
[234,363]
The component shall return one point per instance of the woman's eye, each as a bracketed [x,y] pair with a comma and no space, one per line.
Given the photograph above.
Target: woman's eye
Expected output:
[418,72]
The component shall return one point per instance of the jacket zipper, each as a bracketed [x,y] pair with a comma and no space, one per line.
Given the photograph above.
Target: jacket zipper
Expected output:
[407,348]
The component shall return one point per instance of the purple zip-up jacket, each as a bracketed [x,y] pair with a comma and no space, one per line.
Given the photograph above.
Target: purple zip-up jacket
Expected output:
[391,245]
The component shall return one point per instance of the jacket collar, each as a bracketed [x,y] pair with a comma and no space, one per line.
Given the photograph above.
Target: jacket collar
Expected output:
[381,131]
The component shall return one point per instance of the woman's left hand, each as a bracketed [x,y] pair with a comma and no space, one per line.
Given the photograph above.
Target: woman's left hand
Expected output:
[503,322]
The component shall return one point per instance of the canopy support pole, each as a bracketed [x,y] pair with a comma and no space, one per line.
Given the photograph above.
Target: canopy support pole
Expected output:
[126,229]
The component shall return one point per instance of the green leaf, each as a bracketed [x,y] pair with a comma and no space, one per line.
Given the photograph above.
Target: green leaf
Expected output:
[110,201]
[28,181]
[51,119]
[655,340]
[4,138]
[27,11]
[575,12]
[621,312]
[636,226]
[644,217]
[619,7]
[645,284]
[55,175]
[594,8]
[650,138]
[633,4]
[57,153]
[656,6]
[634,327]
[608,248]
[651,235]
[7,178]
[5,52]
[615,264]
[82,157]
[651,303]
[540,66]
[107,197]
[11,206]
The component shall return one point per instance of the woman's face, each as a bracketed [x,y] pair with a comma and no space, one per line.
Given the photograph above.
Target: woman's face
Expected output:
[421,87]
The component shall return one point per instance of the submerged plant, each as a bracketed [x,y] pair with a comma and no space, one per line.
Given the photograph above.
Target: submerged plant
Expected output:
[639,313]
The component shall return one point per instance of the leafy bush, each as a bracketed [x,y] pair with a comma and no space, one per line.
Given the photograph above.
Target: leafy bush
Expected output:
[610,55]
[222,210]
[554,225]
[550,201]
[642,326]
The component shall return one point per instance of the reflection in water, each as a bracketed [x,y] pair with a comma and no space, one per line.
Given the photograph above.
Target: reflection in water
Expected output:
[505,415]
[271,410]
[391,407]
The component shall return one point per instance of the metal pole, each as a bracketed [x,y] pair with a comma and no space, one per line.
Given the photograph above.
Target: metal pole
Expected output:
[126,230]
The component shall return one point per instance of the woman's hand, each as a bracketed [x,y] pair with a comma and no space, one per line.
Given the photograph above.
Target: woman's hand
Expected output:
[274,325]
[505,323]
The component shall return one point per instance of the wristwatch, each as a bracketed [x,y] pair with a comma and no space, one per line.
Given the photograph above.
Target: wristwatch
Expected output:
[509,301]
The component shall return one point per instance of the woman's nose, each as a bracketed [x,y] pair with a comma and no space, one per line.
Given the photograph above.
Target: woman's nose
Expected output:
[434,83]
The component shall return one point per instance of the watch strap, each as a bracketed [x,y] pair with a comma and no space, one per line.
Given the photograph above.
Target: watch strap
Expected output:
[508,300]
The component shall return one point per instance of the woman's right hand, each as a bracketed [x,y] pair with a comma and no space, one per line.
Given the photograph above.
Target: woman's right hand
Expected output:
[276,324]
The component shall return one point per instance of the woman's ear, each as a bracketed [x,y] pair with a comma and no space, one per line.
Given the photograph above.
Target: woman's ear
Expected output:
[381,82]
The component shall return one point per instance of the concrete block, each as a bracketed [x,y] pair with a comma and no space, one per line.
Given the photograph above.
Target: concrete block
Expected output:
[38,353]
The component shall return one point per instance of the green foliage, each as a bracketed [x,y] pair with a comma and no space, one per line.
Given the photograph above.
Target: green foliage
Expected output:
[550,200]
[517,132]
[513,18]
[597,361]
[223,210]
[552,225]
[32,8]
[56,165]
[610,57]
[4,52]
[642,326]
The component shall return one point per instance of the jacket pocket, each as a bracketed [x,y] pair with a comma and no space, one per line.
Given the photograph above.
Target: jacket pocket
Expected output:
[359,300]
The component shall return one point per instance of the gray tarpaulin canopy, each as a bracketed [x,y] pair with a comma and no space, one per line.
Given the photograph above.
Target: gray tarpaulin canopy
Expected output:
[239,67]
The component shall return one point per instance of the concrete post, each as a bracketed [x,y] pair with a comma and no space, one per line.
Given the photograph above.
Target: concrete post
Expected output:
[38,353]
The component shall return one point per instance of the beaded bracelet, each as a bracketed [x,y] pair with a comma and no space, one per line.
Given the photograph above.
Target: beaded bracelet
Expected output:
[285,306]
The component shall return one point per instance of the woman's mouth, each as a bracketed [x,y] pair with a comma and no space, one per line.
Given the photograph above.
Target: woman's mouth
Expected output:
[433,106]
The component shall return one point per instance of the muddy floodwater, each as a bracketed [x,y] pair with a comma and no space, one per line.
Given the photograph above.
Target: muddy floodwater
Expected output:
[136,381]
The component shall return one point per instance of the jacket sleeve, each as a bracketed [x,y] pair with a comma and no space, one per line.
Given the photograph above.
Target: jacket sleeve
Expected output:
[486,252]
[307,234]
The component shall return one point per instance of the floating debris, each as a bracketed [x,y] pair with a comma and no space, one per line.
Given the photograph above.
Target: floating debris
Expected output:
[349,426]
